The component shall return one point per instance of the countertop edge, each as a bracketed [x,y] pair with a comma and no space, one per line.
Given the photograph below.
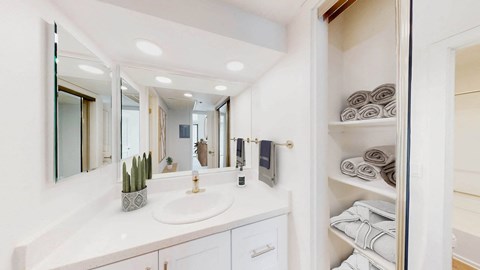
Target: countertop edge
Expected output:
[135,251]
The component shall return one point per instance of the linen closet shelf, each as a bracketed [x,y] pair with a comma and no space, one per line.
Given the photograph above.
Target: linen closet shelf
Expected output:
[362,54]
[372,256]
[336,126]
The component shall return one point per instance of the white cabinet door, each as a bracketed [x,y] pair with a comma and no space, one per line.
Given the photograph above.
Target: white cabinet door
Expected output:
[261,246]
[208,253]
[148,261]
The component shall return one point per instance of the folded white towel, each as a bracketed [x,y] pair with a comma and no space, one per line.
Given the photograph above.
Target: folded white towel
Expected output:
[390,110]
[368,172]
[380,155]
[370,111]
[383,94]
[359,99]
[357,261]
[371,223]
[349,114]
[349,166]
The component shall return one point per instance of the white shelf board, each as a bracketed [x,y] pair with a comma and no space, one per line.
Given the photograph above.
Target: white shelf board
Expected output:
[381,122]
[376,186]
[372,256]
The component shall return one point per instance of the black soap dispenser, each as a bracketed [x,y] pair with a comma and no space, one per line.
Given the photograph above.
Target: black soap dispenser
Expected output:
[241,178]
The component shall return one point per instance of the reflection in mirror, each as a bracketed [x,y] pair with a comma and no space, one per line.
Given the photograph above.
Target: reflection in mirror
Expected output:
[84,109]
[191,123]
[466,197]
[191,129]
[130,120]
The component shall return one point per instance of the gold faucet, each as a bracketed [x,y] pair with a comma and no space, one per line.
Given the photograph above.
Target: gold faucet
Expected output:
[195,180]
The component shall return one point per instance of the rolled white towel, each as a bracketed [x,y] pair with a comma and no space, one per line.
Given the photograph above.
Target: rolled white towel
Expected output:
[368,172]
[370,111]
[390,110]
[380,155]
[383,94]
[359,99]
[389,174]
[349,166]
[349,114]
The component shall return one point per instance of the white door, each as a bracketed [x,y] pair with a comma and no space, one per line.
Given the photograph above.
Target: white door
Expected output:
[145,262]
[208,253]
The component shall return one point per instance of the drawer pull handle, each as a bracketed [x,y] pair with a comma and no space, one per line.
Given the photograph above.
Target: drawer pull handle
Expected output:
[267,249]
[165,266]
[148,268]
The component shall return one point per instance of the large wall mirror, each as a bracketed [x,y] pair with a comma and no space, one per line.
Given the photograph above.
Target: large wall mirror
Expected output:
[192,120]
[130,117]
[83,97]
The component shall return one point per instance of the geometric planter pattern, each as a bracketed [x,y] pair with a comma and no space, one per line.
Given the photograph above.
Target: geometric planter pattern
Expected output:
[134,200]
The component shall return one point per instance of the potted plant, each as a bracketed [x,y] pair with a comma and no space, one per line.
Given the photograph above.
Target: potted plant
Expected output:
[169,163]
[134,193]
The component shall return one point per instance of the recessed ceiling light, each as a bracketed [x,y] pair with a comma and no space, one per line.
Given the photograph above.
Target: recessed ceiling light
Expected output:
[148,47]
[163,79]
[188,95]
[123,87]
[220,88]
[91,69]
[235,65]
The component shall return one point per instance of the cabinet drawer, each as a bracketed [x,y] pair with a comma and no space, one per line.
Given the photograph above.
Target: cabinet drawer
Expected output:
[148,261]
[208,253]
[261,246]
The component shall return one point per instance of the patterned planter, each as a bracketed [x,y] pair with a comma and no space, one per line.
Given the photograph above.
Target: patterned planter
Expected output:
[134,200]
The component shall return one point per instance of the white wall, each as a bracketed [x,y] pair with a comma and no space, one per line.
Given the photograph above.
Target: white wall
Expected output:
[34,201]
[467,113]
[241,124]
[467,144]
[179,149]
[280,112]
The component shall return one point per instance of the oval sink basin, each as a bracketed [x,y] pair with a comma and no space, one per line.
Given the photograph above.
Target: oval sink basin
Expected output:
[192,207]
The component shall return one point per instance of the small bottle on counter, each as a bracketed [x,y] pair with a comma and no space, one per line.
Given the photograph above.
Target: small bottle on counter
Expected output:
[241,178]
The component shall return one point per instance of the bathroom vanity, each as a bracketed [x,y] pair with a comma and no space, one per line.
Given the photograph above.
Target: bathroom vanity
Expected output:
[250,234]
[255,246]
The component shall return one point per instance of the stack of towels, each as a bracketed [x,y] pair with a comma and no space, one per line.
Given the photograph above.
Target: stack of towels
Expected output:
[371,224]
[363,105]
[377,163]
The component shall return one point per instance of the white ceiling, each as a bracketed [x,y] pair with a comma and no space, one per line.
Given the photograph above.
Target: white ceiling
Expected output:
[188,83]
[280,11]
[187,51]
[199,101]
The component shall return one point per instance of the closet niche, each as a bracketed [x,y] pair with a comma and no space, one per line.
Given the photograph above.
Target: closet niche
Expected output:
[362,55]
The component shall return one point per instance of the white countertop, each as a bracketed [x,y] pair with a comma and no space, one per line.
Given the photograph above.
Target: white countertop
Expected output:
[113,235]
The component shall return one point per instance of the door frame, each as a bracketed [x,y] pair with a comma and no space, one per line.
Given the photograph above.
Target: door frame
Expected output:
[319,218]
[434,146]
